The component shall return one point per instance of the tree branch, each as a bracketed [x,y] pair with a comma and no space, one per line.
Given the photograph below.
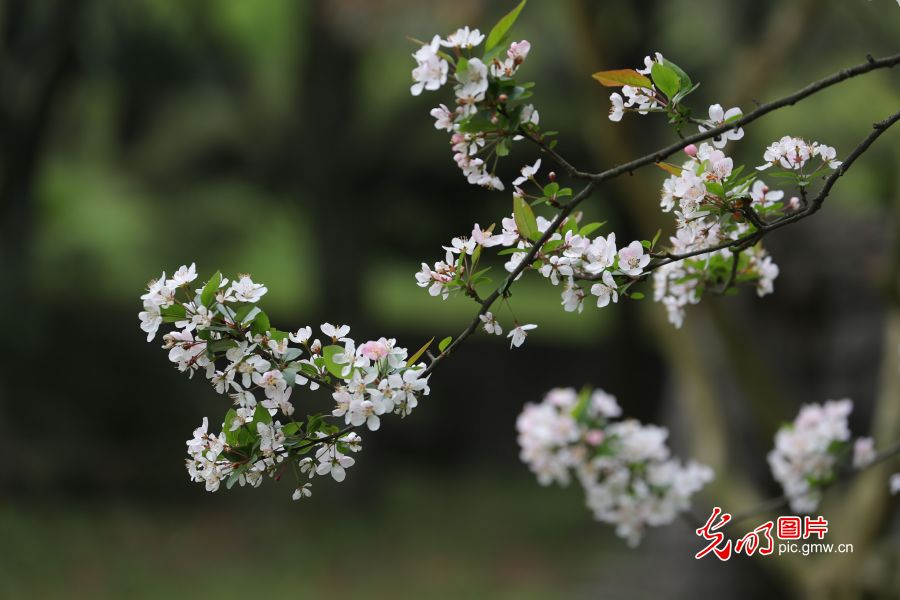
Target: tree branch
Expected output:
[742,242]
[764,228]
[871,64]
[593,179]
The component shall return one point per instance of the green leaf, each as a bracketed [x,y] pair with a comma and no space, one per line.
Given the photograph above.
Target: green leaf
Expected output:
[620,77]
[306,369]
[551,189]
[292,354]
[412,360]
[637,296]
[525,220]
[245,312]
[655,238]
[478,274]
[260,324]
[338,370]
[715,188]
[221,345]
[235,475]
[261,415]
[313,423]
[476,256]
[669,168]
[666,79]
[493,53]
[681,95]
[580,409]
[208,295]
[173,313]
[444,343]
[230,436]
[291,428]
[551,245]
[590,228]
[646,244]
[502,27]
[277,334]
[684,80]
[476,123]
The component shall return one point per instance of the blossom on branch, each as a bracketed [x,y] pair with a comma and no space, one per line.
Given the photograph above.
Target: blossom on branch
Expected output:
[627,472]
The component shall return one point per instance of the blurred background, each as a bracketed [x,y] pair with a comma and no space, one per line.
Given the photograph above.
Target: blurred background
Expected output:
[279,138]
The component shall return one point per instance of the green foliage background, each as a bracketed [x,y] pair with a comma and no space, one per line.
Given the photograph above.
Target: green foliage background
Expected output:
[279,138]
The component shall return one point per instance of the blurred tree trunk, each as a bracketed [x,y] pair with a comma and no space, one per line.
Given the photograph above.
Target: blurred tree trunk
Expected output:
[328,150]
[33,76]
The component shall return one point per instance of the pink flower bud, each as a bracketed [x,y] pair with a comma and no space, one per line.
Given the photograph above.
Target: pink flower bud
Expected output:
[457,138]
[690,150]
[794,203]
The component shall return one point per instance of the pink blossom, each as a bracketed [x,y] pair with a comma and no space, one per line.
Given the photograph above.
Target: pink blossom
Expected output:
[374,350]
[594,437]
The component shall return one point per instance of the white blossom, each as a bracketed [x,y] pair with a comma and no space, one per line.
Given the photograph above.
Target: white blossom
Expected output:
[625,468]
[519,333]
[463,38]
[863,452]
[632,259]
[718,117]
[490,323]
[805,453]
[431,70]
[245,290]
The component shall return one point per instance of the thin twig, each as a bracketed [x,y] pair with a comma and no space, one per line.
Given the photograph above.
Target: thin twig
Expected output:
[870,65]
[742,242]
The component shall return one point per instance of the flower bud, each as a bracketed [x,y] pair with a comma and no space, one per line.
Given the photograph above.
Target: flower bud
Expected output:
[690,150]
[503,98]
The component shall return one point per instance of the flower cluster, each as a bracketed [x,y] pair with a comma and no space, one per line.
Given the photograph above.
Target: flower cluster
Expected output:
[629,477]
[488,111]
[808,451]
[710,200]
[641,96]
[220,331]
[717,206]
[794,153]
[569,256]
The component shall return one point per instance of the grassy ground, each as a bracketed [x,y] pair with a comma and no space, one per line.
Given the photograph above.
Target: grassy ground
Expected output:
[415,539]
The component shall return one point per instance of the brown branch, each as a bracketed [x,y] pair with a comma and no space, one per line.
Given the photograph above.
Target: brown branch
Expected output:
[764,228]
[742,242]
[871,64]
[486,304]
